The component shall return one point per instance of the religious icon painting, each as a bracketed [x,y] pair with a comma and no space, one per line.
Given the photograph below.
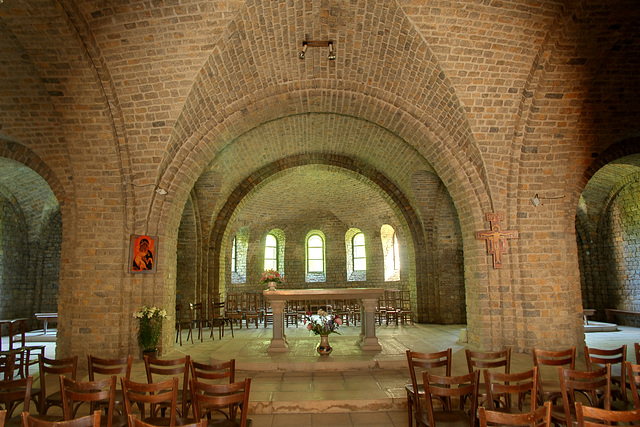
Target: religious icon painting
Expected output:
[143,254]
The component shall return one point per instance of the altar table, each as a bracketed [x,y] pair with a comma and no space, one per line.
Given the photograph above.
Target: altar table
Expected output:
[368,298]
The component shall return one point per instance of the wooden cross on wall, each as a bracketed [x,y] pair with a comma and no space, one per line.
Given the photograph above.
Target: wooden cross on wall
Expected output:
[496,238]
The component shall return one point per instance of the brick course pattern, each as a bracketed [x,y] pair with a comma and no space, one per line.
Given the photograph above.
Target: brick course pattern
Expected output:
[431,115]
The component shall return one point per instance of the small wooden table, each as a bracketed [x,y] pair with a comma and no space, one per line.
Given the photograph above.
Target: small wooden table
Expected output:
[47,317]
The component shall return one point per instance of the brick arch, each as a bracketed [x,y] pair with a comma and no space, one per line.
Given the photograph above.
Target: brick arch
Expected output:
[20,153]
[259,176]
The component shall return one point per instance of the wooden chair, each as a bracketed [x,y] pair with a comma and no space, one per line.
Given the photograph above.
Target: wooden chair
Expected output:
[152,401]
[218,317]
[406,314]
[540,417]
[548,384]
[290,314]
[233,308]
[597,417]
[224,400]
[96,393]
[88,421]
[617,358]
[462,388]
[8,364]
[253,310]
[161,369]
[634,382]
[636,348]
[496,361]
[50,370]
[198,318]
[181,324]
[506,390]
[135,422]
[419,362]
[592,388]
[214,372]
[100,368]
[13,394]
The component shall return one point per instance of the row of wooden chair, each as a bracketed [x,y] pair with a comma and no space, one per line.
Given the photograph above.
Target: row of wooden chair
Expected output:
[500,385]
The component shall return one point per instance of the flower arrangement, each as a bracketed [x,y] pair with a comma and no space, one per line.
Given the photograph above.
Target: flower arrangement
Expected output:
[271,276]
[150,326]
[322,323]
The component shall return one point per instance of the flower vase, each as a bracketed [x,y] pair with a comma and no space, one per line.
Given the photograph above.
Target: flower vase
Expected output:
[324,348]
[272,286]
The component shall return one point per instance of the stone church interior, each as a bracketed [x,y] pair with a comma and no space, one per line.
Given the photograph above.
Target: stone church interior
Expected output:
[481,156]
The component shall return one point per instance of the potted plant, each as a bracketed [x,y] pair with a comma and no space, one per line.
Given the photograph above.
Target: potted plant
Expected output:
[271,278]
[149,328]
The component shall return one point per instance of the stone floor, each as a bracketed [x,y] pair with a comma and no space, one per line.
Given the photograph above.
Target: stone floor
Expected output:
[348,388]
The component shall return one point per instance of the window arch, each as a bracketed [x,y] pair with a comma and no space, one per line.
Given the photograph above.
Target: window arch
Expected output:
[274,243]
[354,241]
[238,261]
[391,253]
[316,262]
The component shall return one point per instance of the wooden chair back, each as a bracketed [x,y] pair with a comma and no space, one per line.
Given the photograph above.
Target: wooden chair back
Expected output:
[419,362]
[50,371]
[636,348]
[540,417]
[75,393]
[14,393]
[162,369]
[225,399]
[634,382]
[446,390]
[197,316]
[597,417]
[8,364]
[135,422]
[588,387]
[150,398]
[92,420]
[617,358]
[504,391]
[120,367]
[217,317]
[493,360]
[547,362]
[214,372]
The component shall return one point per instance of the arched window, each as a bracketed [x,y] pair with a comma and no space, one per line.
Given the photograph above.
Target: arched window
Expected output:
[234,256]
[271,252]
[238,261]
[358,253]
[391,253]
[316,265]
[315,254]
[354,242]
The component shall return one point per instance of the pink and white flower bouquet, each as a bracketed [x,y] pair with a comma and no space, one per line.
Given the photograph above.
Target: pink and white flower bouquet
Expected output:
[322,323]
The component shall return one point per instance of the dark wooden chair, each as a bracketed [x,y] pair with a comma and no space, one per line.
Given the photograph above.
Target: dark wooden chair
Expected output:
[508,392]
[95,393]
[540,417]
[15,393]
[419,362]
[253,312]
[198,318]
[447,390]
[495,361]
[215,372]
[161,369]
[636,348]
[181,324]
[50,371]
[88,421]
[597,417]
[218,317]
[547,362]
[100,368]
[153,400]
[617,358]
[592,388]
[220,403]
[633,372]
[135,422]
